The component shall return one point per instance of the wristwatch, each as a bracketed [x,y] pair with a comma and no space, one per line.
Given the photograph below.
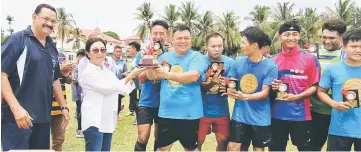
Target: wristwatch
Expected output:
[62,108]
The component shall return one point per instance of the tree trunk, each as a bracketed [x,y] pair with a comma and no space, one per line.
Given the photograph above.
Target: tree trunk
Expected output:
[62,39]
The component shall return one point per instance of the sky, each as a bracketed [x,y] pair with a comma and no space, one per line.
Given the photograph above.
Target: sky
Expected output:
[118,15]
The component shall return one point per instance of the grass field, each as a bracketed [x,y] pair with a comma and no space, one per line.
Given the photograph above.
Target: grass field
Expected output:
[125,136]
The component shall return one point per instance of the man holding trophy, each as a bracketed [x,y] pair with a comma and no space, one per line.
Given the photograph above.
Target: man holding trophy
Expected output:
[149,97]
[344,79]
[215,106]
[251,118]
[181,103]
[298,76]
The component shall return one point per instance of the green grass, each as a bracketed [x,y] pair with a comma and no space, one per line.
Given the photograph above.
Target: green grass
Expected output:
[125,136]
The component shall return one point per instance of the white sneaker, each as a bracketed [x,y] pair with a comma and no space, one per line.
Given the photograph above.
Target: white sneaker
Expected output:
[79,134]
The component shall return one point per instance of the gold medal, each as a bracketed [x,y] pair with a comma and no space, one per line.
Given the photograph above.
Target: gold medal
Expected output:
[249,83]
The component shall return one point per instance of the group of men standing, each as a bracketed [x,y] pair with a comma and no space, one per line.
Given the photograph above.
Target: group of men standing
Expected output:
[292,94]
[276,98]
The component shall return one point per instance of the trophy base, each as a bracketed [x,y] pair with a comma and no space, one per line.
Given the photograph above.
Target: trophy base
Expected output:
[154,66]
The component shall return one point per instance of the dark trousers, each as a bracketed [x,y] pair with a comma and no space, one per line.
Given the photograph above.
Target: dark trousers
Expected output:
[120,97]
[134,100]
[37,137]
[320,124]
[78,112]
[97,141]
[340,143]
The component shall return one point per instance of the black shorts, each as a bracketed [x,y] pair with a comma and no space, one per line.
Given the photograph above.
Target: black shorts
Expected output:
[244,133]
[146,115]
[320,124]
[171,130]
[340,143]
[300,131]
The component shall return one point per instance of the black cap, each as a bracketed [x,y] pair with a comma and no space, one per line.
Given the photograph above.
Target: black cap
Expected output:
[289,26]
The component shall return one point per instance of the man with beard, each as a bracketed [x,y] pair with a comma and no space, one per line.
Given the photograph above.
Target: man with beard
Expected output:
[30,76]
[321,113]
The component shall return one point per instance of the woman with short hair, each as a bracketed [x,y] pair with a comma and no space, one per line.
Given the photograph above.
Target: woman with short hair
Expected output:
[101,88]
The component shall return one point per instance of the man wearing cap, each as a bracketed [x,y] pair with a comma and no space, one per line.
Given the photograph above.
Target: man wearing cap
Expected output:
[298,74]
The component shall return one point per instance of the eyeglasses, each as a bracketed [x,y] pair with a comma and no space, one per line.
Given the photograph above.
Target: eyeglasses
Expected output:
[96,50]
[47,19]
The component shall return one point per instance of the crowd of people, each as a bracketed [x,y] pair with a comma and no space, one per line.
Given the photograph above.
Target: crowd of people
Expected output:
[294,94]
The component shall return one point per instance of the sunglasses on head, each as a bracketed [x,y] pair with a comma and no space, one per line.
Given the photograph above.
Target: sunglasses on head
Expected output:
[96,50]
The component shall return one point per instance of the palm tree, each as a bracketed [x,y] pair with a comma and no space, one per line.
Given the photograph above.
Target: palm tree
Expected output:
[343,10]
[76,35]
[10,19]
[64,25]
[227,24]
[204,25]
[189,14]
[144,14]
[356,17]
[171,16]
[310,22]
[283,11]
[259,15]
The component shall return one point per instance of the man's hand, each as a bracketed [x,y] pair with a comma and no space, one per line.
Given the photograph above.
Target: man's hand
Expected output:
[151,74]
[66,68]
[161,73]
[22,117]
[341,106]
[126,73]
[237,95]
[290,97]
[65,122]
[135,72]
[216,78]
[275,84]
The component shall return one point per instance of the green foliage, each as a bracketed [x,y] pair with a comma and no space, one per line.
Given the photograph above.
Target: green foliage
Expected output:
[65,24]
[144,14]
[112,34]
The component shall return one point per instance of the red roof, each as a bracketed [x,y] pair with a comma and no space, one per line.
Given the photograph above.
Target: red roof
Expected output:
[86,33]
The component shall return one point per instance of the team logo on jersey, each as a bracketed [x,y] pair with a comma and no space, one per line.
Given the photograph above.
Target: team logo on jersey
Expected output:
[249,83]
[175,69]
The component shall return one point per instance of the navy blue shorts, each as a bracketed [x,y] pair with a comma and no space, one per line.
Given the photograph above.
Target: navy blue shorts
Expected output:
[37,137]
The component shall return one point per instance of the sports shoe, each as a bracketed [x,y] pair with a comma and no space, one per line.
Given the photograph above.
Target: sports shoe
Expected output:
[79,134]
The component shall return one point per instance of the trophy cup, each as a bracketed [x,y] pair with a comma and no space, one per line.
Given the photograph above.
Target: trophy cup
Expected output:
[352,97]
[149,56]
[282,90]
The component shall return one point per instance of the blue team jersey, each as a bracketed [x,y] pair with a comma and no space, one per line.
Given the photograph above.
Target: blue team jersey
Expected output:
[251,77]
[215,105]
[339,76]
[182,101]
